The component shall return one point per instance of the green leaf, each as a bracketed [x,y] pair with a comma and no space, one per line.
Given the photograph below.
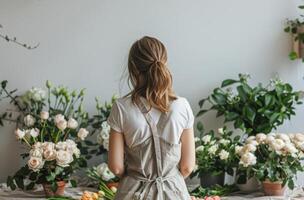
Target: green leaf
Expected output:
[291,184]
[293,55]
[58,170]
[268,99]
[219,98]
[231,116]
[73,183]
[3,84]
[51,177]
[201,112]
[274,117]
[301,7]
[30,186]
[19,182]
[239,123]
[201,102]
[249,113]
[242,93]
[228,82]
[54,186]
[287,29]
[200,126]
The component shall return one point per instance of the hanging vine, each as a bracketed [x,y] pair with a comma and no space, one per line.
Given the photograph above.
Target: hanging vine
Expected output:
[15,41]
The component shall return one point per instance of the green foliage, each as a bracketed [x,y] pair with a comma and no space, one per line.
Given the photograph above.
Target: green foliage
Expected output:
[216,190]
[252,109]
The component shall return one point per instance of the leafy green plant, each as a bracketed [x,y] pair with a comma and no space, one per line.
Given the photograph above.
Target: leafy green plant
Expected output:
[253,109]
[295,28]
[215,190]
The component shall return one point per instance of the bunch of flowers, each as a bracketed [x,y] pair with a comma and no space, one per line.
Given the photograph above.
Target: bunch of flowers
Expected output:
[100,127]
[107,181]
[273,157]
[216,154]
[52,124]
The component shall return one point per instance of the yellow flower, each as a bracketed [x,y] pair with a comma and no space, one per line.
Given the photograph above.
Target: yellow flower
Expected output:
[114,189]
[101,193]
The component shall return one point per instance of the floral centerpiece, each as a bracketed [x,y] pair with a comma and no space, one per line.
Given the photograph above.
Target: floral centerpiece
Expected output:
[215,155]
[107,181]
[274,159]
[252,109]
[52,125]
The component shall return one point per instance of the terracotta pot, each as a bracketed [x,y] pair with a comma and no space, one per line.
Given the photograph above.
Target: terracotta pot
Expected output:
[112,184]
[59,192]
[273,188]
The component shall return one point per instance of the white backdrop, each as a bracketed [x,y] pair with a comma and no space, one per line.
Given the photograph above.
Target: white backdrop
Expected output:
[85,44]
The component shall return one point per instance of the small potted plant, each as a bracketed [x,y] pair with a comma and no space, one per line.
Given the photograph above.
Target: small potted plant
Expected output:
[253,109]
[215,156]
[52,126]
[296,29]
[274,159]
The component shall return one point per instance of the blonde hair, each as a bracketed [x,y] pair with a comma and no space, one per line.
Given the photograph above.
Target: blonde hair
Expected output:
[149,74]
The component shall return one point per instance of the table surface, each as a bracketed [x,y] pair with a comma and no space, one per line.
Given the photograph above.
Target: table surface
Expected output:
[38,194]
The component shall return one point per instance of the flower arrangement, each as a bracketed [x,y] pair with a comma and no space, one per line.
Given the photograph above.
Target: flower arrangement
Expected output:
[107,181]
[253,109]
[52,124]
[273,157]
[100,127]
[216,154]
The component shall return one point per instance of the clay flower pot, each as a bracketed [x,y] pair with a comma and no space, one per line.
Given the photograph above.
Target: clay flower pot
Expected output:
[273,188]
[59,192]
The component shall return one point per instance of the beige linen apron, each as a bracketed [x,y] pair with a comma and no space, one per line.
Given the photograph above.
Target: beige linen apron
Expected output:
[152,171]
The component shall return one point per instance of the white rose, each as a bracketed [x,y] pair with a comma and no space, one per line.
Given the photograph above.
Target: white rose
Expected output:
[105,126]
[213,149]
[104,172]
[220,131]
[72,123]
[196,139]
[250,148]
[99,139]
[248,159]
[249,139]
[277,144]
[34,132]
[29,120]
[58,118]
[106,144]
[206,139]
[253,142]
[63,158]
[82,133]
[224,141]
[37,145]
[290,148]
[269,139]
[199,148]
[299,137]
[76,152]
[284,137]
[61,125]
[48,146]
[36,152]
[224,155]
[19,134]
[50,154]
[44,115]
[260,138]
[37,94]
[35,163]
[61,146]
[238,150]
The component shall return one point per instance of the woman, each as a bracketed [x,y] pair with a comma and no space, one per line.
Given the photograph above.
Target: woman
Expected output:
[151,141]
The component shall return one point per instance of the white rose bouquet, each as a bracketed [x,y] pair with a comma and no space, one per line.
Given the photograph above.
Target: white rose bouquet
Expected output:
[272,157]
[215,153]
[52,124]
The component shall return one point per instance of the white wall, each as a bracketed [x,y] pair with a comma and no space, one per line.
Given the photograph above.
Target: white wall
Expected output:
[85,44]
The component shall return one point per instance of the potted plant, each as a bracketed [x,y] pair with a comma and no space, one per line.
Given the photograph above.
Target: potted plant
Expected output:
[296,29]
[215,156]
[274,159]
[253,109]
[52,126]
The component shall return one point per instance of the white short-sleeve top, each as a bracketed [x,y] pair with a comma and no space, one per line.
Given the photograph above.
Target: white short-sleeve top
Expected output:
[126,118]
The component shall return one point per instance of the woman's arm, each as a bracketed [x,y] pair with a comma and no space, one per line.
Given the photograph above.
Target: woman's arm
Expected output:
[116,153]
[187,162]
